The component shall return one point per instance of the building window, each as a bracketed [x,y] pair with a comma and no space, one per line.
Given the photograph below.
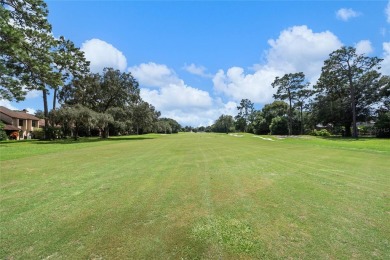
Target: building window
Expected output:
[34,123]
[21,122]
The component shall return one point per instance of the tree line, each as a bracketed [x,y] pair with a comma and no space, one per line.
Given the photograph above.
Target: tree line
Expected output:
[31,58]
[350,90]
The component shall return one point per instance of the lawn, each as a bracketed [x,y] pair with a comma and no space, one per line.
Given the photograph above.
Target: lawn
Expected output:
[195,196]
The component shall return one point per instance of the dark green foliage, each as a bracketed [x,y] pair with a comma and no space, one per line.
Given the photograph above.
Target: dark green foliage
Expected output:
[70,63]
[382,126]
[30,57]
[168,126]
[244,117]
[144,117]
[351,81]
[322,132]
[276,108]
[290,88]
[302,97]
[122,120]
[102,121]
[38,134]
[101,92]
[3,134]
[224,124]
[25,48]
[76,119]
[163,127]
[279,126]
[39,113]
[259,124]
[262,119]
[114,95]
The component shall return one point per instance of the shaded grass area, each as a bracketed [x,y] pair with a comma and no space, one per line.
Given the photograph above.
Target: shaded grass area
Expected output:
[367,144]
[196,196]
[27,148]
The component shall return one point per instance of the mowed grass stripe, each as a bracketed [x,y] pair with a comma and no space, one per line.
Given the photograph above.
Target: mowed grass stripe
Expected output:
[197,196]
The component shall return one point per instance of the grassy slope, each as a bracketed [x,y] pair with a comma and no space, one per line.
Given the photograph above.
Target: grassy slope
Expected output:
[196,196]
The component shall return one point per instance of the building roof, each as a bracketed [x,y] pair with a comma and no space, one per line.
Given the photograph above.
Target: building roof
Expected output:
[17,114]
[11,127]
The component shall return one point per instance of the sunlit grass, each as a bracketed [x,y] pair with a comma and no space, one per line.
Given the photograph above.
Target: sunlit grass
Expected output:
[195,196]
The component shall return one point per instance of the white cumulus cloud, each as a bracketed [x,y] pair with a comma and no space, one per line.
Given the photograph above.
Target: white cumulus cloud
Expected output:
[177,97]
[300,49]
[203,117]
[346,13]
[197,70]
[161,87]
[296,49]
[364,47]
[237,85]
[154,75]
[31,110]
[102,54]
[7,104]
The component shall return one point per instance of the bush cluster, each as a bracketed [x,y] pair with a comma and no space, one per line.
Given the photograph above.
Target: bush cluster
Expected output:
[322,132]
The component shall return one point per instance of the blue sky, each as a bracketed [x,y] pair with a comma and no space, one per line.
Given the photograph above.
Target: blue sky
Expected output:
[195,60]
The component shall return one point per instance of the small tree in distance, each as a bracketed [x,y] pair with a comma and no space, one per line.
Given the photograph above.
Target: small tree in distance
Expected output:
[288,87]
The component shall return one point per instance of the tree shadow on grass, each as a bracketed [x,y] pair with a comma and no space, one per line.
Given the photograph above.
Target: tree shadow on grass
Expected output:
[348,139]
[92,140]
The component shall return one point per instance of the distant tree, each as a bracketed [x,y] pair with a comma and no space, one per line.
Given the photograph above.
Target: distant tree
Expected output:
[74,118]
[64,118]
[121,122]
[163,127]
[223,124]
[102,120]
[101,92]
[82,90]
[352,74]
[69,62]
[382,126]
[39,113]
[144,117]
[171,124]
[288,87]
[302,97]
[201,129]
[279,126]
[276,108]
[259,124]
[187,128]
[245,110]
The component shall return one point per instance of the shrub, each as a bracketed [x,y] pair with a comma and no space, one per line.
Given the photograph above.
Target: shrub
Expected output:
[260,127]
[322,132]
[382,126]
[3,134]
[38,134]
[366,130]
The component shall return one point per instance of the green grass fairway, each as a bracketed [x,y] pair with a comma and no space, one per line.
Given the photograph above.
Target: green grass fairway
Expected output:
[196,196]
